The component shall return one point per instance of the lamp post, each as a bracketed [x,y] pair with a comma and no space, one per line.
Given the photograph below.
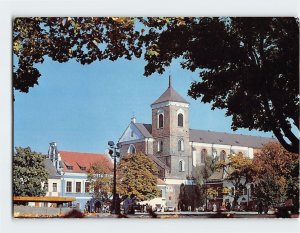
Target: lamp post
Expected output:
[114,154]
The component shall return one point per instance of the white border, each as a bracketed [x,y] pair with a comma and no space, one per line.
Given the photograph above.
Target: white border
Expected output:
[10,9]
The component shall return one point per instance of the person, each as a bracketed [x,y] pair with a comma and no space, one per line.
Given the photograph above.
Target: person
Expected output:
[265,208]
[132,204]
[126,204]
[260,207]
[214,207]
[227,205]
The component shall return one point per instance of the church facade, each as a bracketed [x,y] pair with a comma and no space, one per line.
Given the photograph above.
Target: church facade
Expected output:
[176,148]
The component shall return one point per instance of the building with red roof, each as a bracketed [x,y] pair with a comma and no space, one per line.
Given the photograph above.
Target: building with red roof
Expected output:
[73,168]
[78,162]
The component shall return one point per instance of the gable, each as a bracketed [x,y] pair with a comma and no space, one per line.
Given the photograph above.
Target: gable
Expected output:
[131,133]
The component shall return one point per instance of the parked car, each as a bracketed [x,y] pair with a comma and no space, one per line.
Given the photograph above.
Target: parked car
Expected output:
[170,209]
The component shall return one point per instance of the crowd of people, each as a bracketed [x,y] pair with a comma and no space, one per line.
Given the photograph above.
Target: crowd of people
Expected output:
[129,203]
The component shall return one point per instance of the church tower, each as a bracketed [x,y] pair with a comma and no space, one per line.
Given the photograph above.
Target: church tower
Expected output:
[170,131]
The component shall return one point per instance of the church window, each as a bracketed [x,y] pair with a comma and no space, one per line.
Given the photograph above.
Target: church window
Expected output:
[181,166]
[131,149]
[180,120]
[203,155]
[181,145]
[160,146]
[222,155]
[160,121]
[131,134]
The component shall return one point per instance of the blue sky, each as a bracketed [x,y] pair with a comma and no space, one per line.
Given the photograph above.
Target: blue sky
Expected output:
[83,107]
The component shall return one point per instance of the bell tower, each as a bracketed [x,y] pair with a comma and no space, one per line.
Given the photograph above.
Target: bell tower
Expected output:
[170,130]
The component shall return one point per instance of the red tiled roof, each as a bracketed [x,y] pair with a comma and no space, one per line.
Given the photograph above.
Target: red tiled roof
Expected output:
[80,160]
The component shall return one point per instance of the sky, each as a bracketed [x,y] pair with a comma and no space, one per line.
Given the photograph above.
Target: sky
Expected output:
[83,107]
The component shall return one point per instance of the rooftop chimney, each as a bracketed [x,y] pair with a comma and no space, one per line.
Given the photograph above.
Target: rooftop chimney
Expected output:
[133,119]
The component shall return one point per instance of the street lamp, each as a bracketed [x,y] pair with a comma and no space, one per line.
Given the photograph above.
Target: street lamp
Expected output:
[114,154]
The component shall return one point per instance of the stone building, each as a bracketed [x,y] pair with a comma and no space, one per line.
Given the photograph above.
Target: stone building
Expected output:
[178,150]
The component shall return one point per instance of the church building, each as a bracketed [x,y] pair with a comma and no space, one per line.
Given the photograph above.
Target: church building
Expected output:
[176,148]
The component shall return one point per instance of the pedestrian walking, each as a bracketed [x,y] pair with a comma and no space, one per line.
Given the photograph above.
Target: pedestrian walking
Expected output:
[126,204]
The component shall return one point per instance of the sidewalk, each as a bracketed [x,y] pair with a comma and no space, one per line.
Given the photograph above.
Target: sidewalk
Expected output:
[172,215]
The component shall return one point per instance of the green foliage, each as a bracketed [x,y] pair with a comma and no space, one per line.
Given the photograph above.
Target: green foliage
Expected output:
[241,61]
[137,174]
[276,174]
[203,172]
[239,172]
[85,39]
[28,173]
[100,178]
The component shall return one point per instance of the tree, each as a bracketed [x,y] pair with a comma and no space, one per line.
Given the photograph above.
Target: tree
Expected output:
[238,171]
[100,178]
[276,175]
[201,174]
[241,61]
[29,173]
[137,174]
[85,39]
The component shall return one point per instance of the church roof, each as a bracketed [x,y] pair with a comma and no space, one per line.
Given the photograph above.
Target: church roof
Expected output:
[211,137]
[170,95]
[206,136]
[145,129]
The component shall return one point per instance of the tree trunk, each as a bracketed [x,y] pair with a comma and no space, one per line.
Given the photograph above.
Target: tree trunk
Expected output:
[291,147]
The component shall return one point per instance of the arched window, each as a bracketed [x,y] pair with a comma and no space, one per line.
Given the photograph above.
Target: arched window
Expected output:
[131,149]
[160,121]
[181,145]
[180,120]
[181,166]
[222,155]
[203,155]
[160,145]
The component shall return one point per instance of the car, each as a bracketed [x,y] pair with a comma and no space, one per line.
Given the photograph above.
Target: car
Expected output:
[170,209]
